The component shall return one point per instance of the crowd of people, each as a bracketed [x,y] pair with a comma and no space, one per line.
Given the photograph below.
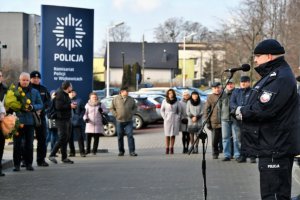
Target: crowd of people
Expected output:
[187,116]
[260,122]
[63,116]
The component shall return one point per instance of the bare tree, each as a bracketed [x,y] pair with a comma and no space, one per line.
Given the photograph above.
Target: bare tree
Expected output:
[174,29]
[255,20]
[120,33]
[117,34]
[169,31]
[244,31]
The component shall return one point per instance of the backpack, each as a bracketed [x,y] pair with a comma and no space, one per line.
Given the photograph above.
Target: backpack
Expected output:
[51,111]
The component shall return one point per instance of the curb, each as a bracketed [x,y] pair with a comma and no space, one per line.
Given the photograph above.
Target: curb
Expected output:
[6,164]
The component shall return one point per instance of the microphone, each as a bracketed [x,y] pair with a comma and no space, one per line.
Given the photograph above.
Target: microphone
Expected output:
[244,67]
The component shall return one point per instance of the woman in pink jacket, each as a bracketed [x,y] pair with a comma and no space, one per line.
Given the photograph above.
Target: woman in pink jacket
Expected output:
[93,120]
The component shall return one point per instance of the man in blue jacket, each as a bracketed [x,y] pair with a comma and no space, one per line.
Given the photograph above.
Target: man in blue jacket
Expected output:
[270,121]
[240,97]
[26,134]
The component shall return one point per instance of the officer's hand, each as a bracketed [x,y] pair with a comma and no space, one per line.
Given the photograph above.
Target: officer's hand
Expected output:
[238,113]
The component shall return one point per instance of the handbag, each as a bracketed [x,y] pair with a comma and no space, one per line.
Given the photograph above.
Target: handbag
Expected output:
[51,123]
[105,118]
[37,119]
[184,121]
[193,128]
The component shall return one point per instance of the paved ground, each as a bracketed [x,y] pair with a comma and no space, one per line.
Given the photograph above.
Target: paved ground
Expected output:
[150,176]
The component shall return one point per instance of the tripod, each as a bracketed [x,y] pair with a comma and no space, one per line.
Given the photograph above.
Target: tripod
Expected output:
[203,135]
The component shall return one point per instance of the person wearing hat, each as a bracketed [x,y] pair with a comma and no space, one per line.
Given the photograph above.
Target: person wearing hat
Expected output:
[270,120]
[63,107]
[229,124]
[123,107]
[214,122]
[41,132]
[239,97]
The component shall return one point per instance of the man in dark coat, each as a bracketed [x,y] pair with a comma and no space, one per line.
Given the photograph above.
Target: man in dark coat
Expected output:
[41,131]
[240,97]
[270,121]
[63,107]
[77,125]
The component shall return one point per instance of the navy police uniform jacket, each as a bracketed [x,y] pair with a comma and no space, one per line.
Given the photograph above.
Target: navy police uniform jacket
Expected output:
[270,119]
[45,96]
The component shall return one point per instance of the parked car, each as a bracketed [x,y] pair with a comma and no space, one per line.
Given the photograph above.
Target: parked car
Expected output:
[208,91]
[146,111]
[161,90]
[154,97]
[102,93]
[145,85]
[157,101]
[110,129]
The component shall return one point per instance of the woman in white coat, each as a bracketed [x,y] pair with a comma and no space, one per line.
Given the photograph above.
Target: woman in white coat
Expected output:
[171,112]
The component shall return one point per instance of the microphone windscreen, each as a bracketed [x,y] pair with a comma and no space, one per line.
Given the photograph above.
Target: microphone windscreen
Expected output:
[245,67]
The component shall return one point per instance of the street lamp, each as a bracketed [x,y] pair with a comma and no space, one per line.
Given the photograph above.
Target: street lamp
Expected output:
[107,56]
[4,46]
[184,57]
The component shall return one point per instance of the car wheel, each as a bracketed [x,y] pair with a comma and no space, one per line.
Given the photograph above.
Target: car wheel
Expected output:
[109,129]
[138,122]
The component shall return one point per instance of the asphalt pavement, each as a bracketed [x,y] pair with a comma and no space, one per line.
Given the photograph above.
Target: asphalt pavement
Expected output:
[150,176]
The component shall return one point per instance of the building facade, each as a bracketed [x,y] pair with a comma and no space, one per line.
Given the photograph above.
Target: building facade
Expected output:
[21,33]
[200,59]
[159,66]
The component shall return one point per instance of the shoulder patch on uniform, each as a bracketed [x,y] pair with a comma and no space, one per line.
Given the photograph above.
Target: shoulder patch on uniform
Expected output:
[265,97]
[273,74]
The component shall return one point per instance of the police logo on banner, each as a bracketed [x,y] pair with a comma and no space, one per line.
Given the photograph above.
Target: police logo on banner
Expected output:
[265,97]
[67,48]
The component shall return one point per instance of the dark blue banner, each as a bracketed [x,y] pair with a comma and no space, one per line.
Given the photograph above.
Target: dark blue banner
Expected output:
[67,48]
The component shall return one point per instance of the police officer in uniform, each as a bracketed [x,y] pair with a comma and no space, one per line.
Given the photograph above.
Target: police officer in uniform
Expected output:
[270,121]
[41,132]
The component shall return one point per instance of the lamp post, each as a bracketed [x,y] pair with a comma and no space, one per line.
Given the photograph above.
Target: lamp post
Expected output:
[107,56]
[143,59]
[184,57]
[4,46]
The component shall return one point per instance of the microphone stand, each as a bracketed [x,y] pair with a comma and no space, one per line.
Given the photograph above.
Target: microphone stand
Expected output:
[203,135]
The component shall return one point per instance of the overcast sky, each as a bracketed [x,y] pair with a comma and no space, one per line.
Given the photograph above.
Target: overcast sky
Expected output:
[140,15]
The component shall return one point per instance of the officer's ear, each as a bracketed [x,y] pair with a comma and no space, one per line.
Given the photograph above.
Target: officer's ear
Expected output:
[270,57]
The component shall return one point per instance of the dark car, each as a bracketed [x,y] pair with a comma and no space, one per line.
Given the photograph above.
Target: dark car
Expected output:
[146,112]
[110,129]
[102,93]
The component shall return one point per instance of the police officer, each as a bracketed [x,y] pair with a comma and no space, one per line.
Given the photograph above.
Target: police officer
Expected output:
[270,121]
[41,132]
